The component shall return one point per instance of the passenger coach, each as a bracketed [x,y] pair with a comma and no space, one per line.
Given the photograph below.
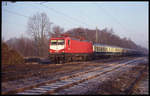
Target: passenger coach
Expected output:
[107,51]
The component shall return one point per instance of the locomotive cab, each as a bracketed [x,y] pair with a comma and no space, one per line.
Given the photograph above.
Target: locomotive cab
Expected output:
[65,49]
[57,45]
[57,48]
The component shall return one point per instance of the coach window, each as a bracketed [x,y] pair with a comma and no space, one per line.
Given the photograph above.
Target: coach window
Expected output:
[108,49]
[97,49]
[101,49]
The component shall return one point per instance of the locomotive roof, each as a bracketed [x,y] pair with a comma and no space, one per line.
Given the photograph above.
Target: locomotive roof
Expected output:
[53,38]
[58,38]
[78,39]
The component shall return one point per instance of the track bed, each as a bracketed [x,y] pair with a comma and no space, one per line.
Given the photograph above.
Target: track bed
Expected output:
[50,73]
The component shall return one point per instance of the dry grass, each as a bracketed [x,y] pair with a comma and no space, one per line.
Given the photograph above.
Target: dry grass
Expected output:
[120,83]
[10,56]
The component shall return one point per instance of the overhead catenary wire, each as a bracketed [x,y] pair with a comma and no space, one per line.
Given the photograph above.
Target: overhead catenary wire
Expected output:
[70,17]
[15,13]
[77,21]
[18,14]
[115,19]
[58,12]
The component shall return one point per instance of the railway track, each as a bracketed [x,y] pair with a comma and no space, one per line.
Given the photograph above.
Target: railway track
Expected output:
[52,86]
[32,71]
[45,68]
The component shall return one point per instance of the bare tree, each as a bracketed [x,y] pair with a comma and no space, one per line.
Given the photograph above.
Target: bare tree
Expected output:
[57,31]
[38,27]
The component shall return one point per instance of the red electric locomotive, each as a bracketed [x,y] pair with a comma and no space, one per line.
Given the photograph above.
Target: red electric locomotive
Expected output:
[64,49]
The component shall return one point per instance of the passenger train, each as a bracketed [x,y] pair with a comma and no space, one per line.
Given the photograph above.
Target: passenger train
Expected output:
[66,49]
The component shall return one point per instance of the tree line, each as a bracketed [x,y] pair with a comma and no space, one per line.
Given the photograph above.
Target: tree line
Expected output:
[40,30]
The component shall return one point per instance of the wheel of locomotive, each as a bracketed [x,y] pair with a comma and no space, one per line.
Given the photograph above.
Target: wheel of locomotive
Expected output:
[52,59]
[60,61]
[68,59]
[71,59]
[57,60]
[65,60]
[90,58]
[84,58]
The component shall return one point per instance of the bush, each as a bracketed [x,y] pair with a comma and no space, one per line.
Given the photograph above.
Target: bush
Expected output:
[10,56]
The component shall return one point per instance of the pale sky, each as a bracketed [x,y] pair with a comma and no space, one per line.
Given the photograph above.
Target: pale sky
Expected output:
[127,19]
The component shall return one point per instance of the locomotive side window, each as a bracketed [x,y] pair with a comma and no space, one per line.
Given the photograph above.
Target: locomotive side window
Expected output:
[68,42]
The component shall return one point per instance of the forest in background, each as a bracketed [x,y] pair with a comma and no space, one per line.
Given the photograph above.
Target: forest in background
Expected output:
[41,30]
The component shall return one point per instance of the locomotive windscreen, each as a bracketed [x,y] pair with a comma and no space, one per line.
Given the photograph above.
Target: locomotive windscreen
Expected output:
[57,42]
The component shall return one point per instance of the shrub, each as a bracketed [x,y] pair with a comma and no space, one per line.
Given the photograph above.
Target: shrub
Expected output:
[10,56]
